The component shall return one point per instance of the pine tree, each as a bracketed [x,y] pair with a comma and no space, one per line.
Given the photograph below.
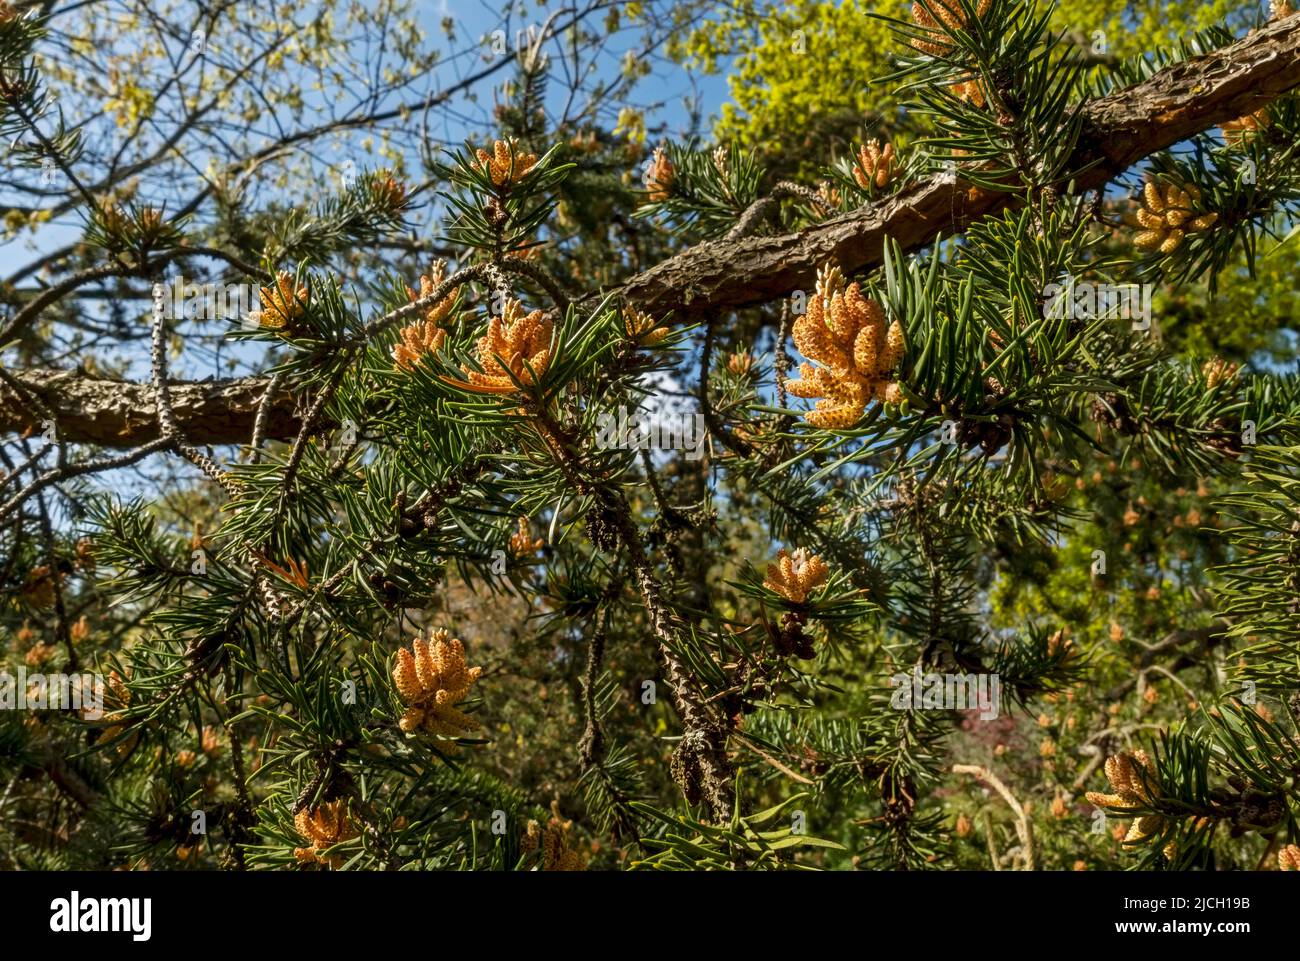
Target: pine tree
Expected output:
[923,523]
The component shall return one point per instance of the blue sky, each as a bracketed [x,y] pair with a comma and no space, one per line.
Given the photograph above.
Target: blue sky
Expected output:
[665,95]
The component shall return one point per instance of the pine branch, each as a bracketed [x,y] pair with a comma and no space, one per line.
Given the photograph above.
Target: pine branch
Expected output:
[119,413]
[1119,130]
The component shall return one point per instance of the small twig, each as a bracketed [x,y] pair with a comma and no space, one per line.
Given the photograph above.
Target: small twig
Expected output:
[788,772]
[739,447]
[85,467]
[781,358]
[993,844]
[525,268]
[259,422]
[764,206]
[591,746]
[667,511]
[1024,827]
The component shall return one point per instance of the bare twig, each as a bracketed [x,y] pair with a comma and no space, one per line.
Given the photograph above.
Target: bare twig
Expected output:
[1024,826]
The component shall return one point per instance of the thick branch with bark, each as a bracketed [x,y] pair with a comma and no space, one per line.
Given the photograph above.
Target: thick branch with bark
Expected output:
[1119,130]
[116,413]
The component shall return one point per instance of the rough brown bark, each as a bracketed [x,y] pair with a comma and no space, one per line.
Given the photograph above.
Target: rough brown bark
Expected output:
[1120,130]
[116,413]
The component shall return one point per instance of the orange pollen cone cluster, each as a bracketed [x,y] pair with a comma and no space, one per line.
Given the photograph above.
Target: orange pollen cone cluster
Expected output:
[846,334]
[642,328]
[1237,132]
[117,699]
[1124,772]
[795,576]
[392,190]
[970,90]
[324,827]
[522,542]
[1166,214]
[431,678]
[553,841]
[659,176]
[281,303]
[874,165]
[828,198]
[506,164]
[953,17]
[424,337]
[740,363]
[516,348]
[1218,371]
